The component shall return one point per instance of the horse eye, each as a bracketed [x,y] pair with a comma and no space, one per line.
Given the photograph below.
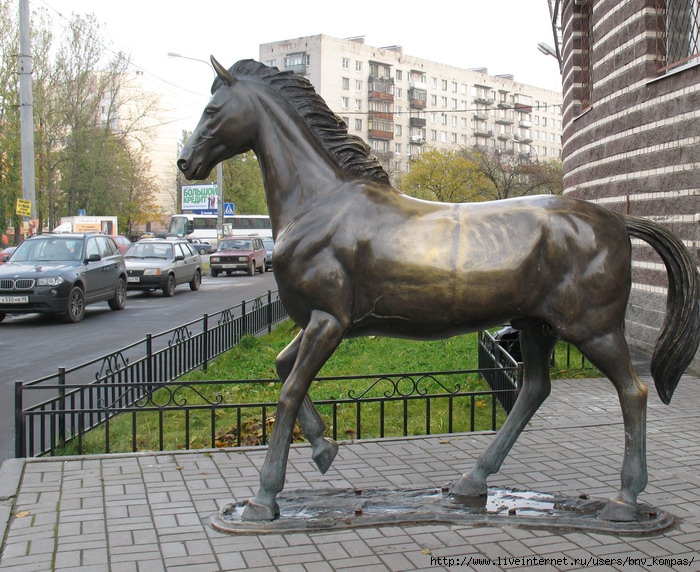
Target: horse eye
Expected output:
[210,112]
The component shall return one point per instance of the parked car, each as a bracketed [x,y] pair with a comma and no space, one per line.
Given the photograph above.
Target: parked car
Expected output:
[200,245]
[238,253]
[5,253]
[61,274]
[269,244]
[121,241]
[160,264]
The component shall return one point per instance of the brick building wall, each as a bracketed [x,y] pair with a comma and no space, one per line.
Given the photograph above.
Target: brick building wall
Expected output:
[631,129]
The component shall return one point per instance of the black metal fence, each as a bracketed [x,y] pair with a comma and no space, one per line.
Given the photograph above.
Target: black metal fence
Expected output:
[56,409]
[185,415]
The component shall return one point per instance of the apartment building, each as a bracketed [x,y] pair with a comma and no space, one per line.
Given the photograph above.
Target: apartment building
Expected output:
[402,105]
[631,82]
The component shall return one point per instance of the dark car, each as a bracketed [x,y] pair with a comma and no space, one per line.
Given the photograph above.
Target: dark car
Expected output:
[238,253]
[61,274]
[269,244]
[200,245]
[162,264]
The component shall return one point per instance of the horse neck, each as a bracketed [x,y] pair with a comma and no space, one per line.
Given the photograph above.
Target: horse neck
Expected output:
[295,167]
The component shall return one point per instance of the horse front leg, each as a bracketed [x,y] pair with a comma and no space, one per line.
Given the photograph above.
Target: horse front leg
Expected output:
[318,342]
[323,450]
[537,345]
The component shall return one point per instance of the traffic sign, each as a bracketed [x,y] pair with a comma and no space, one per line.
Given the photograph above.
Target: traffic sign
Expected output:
[23,207]
[229,209]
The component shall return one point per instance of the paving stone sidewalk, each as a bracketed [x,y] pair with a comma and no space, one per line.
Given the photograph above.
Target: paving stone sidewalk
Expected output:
[151,511]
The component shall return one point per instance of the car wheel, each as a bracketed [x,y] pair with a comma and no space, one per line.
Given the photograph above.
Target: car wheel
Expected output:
[262,268]
[119,300]
[214,273]
[196,281]
[76,306]
[2,316]
[202,251]
[251,268]
[169,288]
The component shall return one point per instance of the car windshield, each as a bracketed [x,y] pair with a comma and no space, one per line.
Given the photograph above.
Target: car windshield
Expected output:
[268,242]
[49,249]
[236,245]
[149,250]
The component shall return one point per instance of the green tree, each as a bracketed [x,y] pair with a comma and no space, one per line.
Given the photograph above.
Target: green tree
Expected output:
[444,176]
[243,184]
[514,175]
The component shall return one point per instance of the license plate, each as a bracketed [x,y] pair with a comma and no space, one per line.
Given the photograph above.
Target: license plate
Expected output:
[230,266]
[134,279]
[14,299]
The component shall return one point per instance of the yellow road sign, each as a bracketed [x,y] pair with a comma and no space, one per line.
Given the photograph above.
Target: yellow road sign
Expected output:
[24,207]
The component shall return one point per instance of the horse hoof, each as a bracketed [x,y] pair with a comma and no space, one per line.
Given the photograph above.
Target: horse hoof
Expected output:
[468,487]
[258,511]
[619,511]
[325,455]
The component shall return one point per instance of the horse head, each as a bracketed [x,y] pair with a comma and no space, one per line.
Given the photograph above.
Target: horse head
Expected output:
[225,129]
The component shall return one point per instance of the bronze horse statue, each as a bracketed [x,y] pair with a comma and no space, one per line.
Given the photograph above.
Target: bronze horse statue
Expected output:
[354,256]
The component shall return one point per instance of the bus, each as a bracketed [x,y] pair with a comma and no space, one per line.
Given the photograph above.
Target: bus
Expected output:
[203,226]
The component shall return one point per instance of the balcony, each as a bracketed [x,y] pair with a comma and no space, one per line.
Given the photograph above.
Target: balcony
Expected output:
[504,121]
[525,124]
[416,121]
[481,116]
[417,98]
[380,134]
[483,133]
[417,140]
[381,88]
[484,100]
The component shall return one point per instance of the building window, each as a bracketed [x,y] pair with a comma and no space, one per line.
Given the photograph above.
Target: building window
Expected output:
[346,83]
[399,75]
[358,124]
[346,63]
[358,66]
[358,85]
[345,102]
[677,32]
[358,105]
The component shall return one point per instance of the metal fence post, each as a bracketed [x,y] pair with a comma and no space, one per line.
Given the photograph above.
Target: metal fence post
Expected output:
[149,362]
[62,406]
[269,311]
[20,435]
[244,319]
[205,342]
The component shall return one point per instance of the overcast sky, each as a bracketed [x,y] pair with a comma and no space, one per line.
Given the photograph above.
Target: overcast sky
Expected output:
[501,35]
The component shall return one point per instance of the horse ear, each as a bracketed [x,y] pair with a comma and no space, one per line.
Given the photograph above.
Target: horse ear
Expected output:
[222,72]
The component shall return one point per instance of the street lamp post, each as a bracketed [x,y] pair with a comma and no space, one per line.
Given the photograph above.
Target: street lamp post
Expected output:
[219,166]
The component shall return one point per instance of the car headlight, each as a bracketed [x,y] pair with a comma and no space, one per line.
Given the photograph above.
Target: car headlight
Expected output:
[50,281]
[214,259]
[242,259]
[151,272]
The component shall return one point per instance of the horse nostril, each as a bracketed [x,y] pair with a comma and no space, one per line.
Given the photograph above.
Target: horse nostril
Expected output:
[182,164]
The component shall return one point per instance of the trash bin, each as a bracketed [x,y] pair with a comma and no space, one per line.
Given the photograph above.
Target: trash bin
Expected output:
[509,339]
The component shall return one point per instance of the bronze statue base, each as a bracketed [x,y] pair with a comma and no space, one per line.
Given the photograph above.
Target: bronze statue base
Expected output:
[333,509]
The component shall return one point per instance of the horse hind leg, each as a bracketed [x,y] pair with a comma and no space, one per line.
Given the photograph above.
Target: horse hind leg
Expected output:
[610,354]
[537,343]
[323,450]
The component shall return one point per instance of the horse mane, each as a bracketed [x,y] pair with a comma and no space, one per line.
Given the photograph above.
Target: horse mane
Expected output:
[350,152]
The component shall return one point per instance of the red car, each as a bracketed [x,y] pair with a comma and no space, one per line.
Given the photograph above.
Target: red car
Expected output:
[5,253]
[245,253]
[122,242]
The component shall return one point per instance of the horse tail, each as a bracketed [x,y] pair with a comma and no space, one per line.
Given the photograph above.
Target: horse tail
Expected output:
[680,334]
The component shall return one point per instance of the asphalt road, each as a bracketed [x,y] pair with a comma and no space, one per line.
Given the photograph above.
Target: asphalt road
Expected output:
[34,346]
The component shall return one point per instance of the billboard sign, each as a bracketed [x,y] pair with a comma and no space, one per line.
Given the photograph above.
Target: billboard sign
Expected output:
[199,198]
